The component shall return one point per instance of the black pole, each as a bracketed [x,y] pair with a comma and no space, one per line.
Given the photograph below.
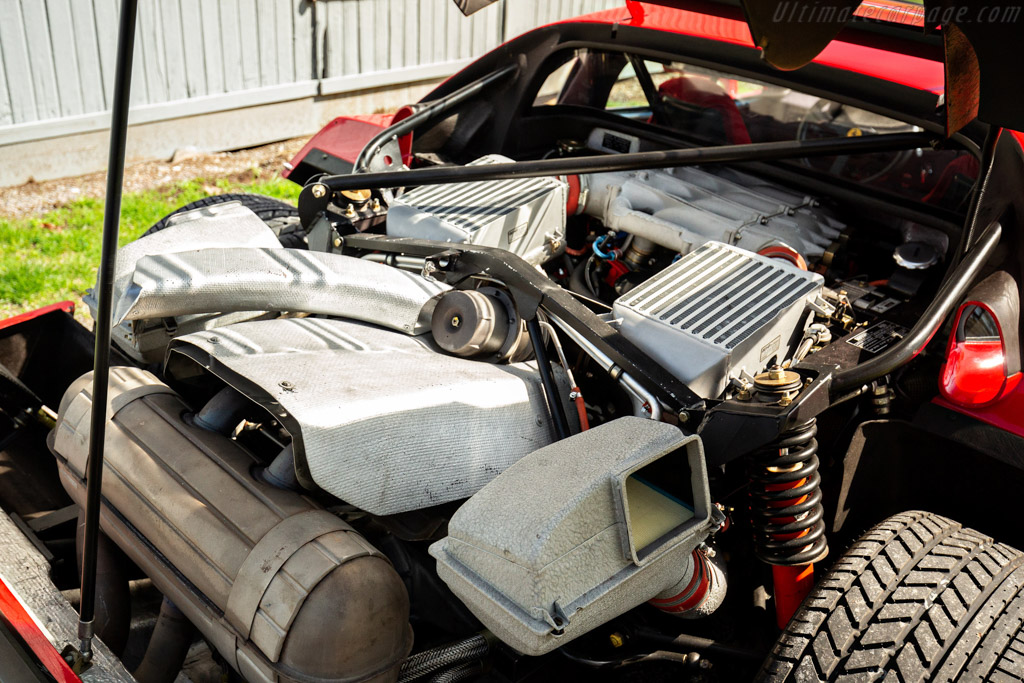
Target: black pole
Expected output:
[756,151]
[547,379]
[104,299]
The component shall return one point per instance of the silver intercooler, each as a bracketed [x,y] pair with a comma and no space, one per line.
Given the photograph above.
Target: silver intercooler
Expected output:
[717,312]
[525,215]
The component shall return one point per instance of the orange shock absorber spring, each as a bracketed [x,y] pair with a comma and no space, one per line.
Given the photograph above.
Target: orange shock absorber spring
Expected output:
[787,515]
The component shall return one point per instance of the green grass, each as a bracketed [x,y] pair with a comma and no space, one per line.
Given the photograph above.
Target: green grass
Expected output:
[53,257]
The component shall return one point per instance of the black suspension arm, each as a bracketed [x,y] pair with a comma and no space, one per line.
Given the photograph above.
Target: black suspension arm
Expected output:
[104,306]
[757,151]
[952,290]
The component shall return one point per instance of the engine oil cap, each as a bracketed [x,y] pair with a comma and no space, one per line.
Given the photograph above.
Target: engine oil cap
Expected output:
[916,255]
[357,196]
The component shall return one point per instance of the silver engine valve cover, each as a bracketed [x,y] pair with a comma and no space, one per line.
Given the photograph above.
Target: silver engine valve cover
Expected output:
[717,312]
[682,208]
[525,216]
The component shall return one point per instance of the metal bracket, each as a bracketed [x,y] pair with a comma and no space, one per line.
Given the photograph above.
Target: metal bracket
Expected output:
[531,290]
[79,663]
[386,158]
[556,618]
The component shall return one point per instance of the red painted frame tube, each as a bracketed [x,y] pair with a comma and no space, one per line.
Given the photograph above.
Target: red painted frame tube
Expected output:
[791,586]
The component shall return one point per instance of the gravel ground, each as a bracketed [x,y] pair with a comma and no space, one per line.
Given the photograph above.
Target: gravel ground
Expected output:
[244,165]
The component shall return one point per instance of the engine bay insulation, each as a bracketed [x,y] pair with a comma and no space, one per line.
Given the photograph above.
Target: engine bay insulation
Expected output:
[228,280]
[382,420]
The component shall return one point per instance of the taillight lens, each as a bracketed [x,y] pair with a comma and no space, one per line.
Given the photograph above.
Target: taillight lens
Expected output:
[978,369]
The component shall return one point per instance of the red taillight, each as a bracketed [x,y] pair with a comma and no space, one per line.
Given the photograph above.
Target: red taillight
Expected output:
[980,365]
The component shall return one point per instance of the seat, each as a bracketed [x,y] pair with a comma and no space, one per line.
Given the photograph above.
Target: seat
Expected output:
[699,105]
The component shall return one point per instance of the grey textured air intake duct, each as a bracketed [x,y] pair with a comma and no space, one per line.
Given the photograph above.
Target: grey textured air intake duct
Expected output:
[580,531]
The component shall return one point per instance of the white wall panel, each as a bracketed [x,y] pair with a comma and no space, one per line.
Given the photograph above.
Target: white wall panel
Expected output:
[57,56]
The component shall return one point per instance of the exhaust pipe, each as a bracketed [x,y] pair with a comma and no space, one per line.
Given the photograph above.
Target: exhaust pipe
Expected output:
[283,589]
[168,646]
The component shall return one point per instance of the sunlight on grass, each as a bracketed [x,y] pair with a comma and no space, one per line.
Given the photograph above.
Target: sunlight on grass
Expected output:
[54,257]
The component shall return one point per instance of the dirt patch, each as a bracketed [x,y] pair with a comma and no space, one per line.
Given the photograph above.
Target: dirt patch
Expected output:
[242,166]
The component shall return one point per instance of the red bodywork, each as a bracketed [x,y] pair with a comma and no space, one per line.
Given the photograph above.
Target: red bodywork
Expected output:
[25,626]
[1006,414]
[345,137]
[909,70]
[66,306]
[974,381]
[11,609]
[974,375]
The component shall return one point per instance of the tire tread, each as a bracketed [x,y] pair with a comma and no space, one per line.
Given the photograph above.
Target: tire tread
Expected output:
[905,601]
[281,217]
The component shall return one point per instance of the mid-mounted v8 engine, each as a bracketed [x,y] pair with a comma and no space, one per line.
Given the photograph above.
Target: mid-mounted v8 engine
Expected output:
[737,302]
[677,209]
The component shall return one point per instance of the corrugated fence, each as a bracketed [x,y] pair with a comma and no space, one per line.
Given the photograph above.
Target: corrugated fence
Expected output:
[198,56]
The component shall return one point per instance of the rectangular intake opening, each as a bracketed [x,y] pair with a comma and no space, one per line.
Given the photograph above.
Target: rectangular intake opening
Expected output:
[659,503]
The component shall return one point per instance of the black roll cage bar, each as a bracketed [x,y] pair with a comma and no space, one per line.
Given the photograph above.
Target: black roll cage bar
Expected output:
[322,187]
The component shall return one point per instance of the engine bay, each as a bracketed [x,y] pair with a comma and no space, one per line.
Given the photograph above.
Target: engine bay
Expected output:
[529,410]
[545,350]
[684,260]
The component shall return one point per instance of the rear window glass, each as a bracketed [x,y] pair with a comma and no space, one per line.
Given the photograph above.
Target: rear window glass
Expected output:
[717,108]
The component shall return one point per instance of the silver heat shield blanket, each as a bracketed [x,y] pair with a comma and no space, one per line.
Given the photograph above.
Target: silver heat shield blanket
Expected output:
[248,279]
[214,227]
[379,419]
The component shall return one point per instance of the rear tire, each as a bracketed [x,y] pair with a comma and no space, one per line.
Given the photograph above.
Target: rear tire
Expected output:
[917,598]
[281,217]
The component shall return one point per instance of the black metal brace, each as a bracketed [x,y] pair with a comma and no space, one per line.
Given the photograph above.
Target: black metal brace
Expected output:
[531,290]
[317,194]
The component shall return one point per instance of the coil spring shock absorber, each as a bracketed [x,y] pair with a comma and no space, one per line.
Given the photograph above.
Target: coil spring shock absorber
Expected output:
[785,500]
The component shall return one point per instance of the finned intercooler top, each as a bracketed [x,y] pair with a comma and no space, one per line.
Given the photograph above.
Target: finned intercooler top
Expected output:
[525,215]
[716,312]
